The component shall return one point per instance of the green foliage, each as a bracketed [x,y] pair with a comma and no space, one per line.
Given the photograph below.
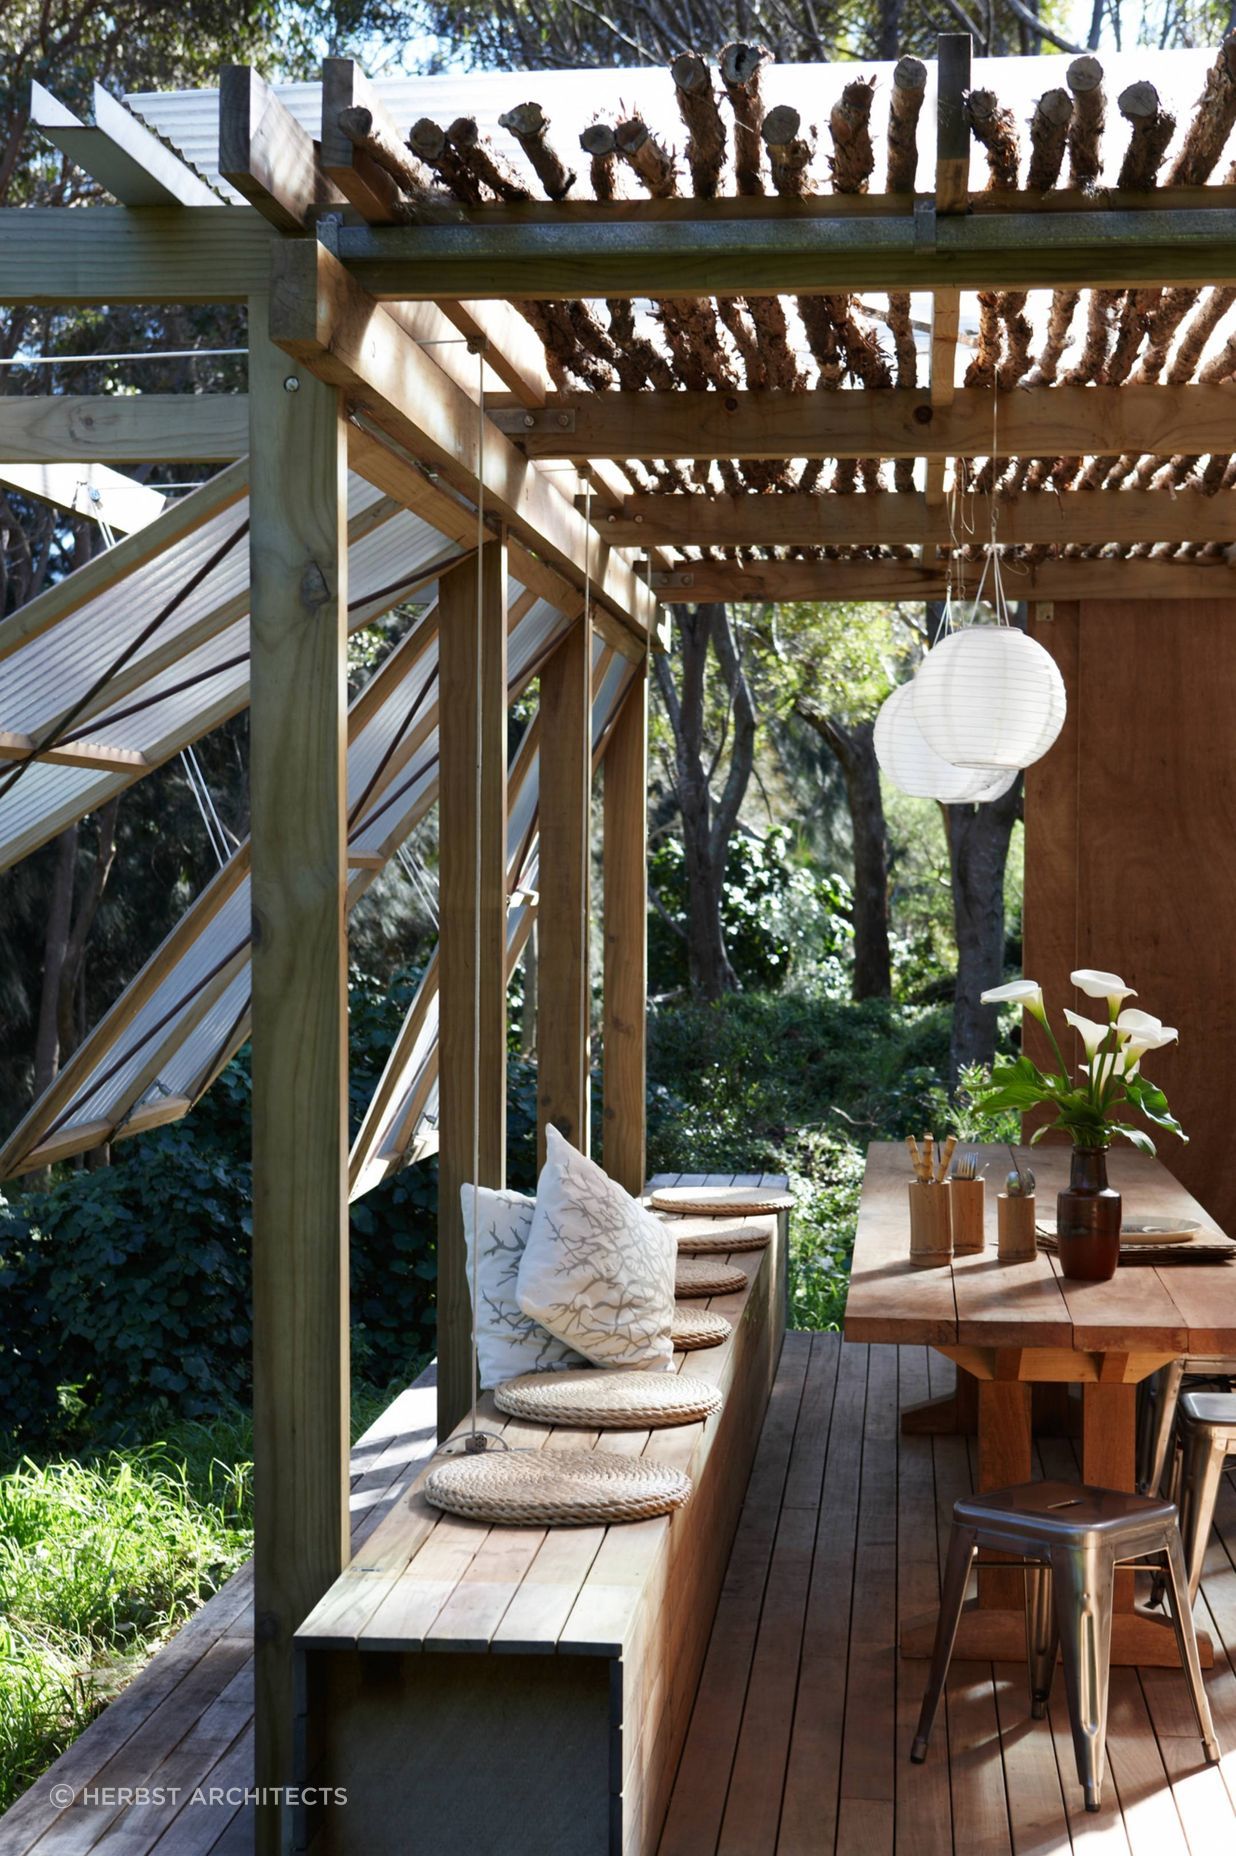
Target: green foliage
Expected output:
[100,1561]
[777,915]
[798,1083]
[127,1290]
[963,1113]
[130,1285]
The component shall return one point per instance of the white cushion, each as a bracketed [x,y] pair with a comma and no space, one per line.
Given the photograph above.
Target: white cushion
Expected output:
[597,1270]
[509,1342]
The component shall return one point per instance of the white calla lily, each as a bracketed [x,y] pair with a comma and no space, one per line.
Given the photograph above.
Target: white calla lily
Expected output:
[1096,984]
[1027,993]
[1138,1046]
[1093,1035]
[1138,1024]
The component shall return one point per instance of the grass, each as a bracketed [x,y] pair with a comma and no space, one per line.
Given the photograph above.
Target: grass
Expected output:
[102,1560]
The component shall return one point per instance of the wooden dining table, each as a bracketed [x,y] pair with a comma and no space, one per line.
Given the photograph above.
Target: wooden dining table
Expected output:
[1022,1338]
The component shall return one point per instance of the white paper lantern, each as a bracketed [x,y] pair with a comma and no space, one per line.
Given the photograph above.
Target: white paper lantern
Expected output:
[913,766]
[989,697]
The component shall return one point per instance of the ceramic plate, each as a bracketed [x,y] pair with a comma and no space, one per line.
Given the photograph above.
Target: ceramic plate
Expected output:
[1158,1231]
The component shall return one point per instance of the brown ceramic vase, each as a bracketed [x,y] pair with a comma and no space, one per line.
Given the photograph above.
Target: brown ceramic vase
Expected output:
[1088,1219]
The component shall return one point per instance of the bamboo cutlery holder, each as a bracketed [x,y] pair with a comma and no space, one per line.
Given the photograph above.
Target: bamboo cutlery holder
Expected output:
[1015,1224]
[946,1220]
[931,1232]
[948,1212]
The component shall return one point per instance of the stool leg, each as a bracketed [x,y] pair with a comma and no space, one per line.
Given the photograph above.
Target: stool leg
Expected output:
[1204,1455]
[1161,1417]
[1175,1485]
[1084,1579]
[1186,1643]
[1042,1637]
[952,1598]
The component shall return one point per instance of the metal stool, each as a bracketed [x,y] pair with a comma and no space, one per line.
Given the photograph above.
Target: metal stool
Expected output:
[1208,1437]
[1075,1536]
[1157,1399]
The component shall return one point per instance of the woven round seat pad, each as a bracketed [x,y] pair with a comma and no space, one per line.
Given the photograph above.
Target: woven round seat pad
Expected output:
[699,1327]
[555,1488]
[698,1276]
[721,1201]
[596,1400]
[700,1237]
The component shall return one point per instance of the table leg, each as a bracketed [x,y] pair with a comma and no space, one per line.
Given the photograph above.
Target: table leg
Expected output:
[1004,1459]
[953,1415]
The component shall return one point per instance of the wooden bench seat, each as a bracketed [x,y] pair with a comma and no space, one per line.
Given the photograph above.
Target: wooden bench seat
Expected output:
[525,1689]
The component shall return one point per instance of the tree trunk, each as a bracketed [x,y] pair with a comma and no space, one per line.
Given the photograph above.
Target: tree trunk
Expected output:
[71,1012]
[55,945]
[854,748]
[873,967]
[707,825]
[527,1022]
[978,849]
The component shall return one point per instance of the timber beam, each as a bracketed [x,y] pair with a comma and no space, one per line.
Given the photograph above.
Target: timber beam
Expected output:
[896,422]
[52,256]
[709,255]
[322,317]
[204,254]
[882,581]
[124,428]
[892,518]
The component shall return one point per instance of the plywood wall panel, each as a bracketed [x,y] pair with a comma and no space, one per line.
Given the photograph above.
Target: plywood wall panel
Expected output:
[1131,848]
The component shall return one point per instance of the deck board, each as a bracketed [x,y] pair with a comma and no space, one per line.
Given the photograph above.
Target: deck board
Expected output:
[995,1782]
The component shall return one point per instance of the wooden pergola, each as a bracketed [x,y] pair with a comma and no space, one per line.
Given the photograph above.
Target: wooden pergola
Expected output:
[662,392]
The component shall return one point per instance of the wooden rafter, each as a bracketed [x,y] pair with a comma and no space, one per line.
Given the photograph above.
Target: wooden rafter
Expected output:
[918,580]
[119,152]
[707,254]
[895,423]
[796,520]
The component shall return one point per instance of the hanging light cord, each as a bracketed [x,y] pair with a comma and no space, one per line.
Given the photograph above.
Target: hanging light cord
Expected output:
[474,1441]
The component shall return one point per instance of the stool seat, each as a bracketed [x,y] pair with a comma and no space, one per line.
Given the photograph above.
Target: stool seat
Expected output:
[1072,1537]
[1047,1513]
[1212,1408]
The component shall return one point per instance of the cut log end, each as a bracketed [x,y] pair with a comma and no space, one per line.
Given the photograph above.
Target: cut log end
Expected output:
[427,139]
[741,65]
[526,119]
[781,126]
[598,139]
[1139,102]
[690,74]
[910,74]
[1084,76]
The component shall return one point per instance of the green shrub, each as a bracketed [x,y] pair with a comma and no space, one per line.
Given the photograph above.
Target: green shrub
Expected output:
[776,915]
[796,1082]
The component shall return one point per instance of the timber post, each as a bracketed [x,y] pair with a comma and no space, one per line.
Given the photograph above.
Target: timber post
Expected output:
[298,782]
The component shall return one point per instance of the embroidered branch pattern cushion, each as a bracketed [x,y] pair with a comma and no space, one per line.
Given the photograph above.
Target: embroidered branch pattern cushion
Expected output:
[598,1270]
[509,1342]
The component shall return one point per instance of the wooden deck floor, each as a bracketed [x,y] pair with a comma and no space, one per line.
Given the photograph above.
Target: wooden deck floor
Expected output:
[799,1741]
[800,1732]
